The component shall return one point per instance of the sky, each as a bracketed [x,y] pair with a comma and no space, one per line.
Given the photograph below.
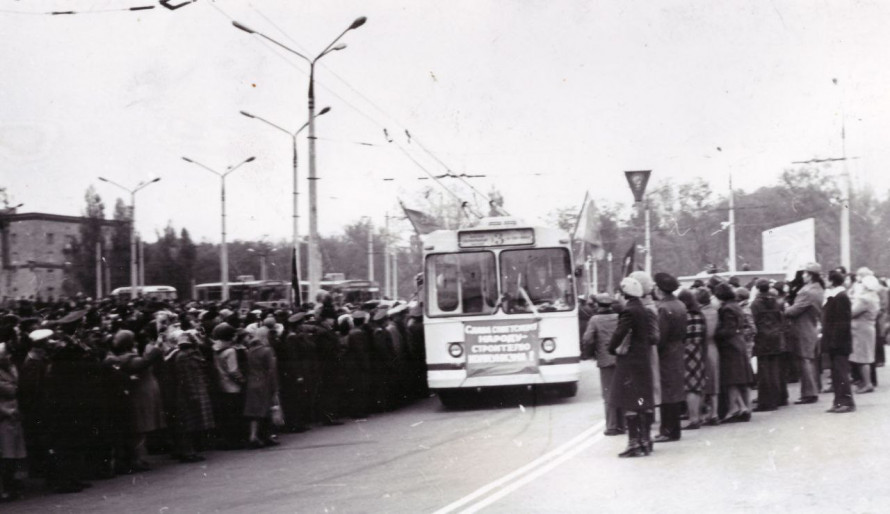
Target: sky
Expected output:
[542,100]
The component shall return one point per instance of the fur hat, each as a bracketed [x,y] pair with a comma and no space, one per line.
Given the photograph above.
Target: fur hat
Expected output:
[645,281]
[723,291]
[631,287]
[666,282]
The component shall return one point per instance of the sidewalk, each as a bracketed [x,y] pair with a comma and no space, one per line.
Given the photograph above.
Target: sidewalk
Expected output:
[796,459]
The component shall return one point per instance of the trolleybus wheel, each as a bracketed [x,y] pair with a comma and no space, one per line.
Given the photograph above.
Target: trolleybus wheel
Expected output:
[568,390]
[451,398]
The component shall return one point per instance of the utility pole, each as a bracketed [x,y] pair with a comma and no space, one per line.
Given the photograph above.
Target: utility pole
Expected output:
[98,270]
[395,274]
[386,263]
[732,250]
[141,262]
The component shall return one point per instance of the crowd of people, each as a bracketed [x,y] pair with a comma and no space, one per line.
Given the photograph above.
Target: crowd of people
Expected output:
[689,351]
[89,388]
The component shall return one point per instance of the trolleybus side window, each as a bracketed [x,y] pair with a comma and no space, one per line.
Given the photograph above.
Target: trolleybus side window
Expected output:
[465,283]
[541,275]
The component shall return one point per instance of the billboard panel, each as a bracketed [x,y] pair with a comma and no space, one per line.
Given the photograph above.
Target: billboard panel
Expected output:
[788,247]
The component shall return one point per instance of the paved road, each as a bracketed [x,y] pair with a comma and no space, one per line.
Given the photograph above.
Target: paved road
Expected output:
[522,453]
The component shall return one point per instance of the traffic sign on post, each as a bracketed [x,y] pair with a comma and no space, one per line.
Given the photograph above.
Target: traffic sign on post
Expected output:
[638,181]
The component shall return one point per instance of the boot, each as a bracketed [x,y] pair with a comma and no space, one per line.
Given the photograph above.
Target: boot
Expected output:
[646,432]
[634,447]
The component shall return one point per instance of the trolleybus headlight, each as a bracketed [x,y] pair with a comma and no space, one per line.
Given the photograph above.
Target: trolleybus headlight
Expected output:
[455,350]
[548,345]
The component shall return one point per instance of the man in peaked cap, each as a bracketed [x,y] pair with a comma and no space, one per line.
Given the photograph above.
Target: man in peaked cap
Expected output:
[595,343]
[671,343]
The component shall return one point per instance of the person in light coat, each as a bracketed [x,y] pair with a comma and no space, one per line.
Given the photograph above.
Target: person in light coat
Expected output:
[864,313]
[805,314]
[595,342]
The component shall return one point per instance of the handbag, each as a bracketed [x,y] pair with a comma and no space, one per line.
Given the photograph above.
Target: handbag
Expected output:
[624,347]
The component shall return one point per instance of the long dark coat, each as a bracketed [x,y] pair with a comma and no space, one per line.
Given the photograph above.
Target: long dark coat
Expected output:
[836,321]
[357,367]
[671,344]
[769,323]
[735,368]
[145,394]
[262,381]
[632,382]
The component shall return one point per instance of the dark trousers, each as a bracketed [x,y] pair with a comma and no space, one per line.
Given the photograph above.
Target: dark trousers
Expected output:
[229,420]
[769,382]
[614,415]
[670,419]
[840,380]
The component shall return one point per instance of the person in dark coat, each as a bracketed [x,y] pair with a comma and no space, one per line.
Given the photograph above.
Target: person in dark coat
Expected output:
[383,359]
[671,344]
[229,389]
[417,345]
[291,353]
[262,389]
[329,373]
[595,343]
[357,367]
[837,341]
[33,401]
[142,395]
[769,343]
[694,356]
[632,383]
[736,375]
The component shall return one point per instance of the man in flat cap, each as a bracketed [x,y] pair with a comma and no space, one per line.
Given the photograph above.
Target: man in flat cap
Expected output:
[595,343]
[805,314]
[671,342]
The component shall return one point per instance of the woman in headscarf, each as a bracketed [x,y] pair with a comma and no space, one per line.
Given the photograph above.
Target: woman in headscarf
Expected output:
[194,410]
[694,356]
[632,383]
[711,390]
[736,375]
[262,389]
[865,307]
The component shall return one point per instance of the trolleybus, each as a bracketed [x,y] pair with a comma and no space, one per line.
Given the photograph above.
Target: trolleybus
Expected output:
[500,309]
[164,293]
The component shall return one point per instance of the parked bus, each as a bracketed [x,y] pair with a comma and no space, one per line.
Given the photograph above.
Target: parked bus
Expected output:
[276,293]
[259,293]
[500,309]
[163,293]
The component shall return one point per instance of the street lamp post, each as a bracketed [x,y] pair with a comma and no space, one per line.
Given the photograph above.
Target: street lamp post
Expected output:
[133,283]
[314,257]
[296,215]
[224,251]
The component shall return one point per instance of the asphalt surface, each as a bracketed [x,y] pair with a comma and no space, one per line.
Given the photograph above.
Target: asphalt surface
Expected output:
[524,452]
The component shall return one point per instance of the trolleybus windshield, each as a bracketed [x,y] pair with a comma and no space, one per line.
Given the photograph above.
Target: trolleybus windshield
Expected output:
[462,284]
[540,275]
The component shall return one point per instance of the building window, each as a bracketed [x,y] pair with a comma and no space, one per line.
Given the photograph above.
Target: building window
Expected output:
[50,237]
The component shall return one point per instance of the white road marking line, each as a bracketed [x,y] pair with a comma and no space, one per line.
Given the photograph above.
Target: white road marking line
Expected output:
[552,454]
[476,507]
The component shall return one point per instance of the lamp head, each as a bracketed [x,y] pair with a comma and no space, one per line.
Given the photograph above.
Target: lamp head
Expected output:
[250,159]
[103,179]
[341,46]
[245,113]
[242,27]
[325,110]
[358,22]
[186,159]
[155,180]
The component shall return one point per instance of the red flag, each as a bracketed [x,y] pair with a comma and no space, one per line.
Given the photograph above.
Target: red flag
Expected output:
[627,264]
[423,223]
[587,228]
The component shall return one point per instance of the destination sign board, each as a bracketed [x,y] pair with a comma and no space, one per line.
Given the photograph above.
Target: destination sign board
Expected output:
[504,237]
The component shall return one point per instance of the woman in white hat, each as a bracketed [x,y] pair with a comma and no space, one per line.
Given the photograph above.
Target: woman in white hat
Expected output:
[632,383]
[865,308]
